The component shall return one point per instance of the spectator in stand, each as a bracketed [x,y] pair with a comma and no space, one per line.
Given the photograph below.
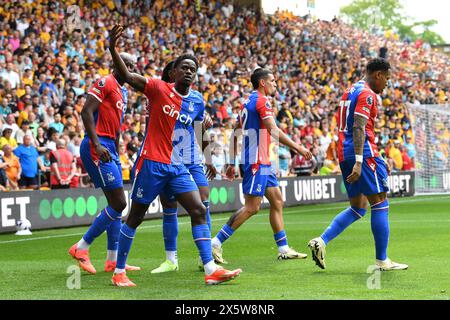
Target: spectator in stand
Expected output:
[11,123]
[57,124]
[407,162]
[28,155]
[302,167]
[13,169]
[7,139]
[23,131]
[3,178]
[329,168]
[396,155]
[63,166]
[44,168]
[126,163]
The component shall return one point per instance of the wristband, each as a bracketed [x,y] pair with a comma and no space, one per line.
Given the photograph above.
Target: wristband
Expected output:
[359,158]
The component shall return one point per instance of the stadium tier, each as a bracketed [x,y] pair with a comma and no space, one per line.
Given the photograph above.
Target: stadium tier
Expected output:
[49,61]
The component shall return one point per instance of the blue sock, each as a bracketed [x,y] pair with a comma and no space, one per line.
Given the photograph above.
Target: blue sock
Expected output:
[112,231]
[170,228]
[101,222]
[225,233]
[208,214]
[341,222]
[126,237]
[380,228]
[281,238]
[202,239]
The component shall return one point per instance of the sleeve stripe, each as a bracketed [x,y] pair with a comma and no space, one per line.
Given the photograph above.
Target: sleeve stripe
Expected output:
[267,117]
[91,93]
[362,115]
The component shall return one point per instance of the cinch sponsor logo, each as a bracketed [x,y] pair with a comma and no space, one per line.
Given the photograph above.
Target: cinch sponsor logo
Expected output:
[183,118]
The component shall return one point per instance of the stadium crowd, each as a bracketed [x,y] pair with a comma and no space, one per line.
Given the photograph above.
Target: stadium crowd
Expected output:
[49,59]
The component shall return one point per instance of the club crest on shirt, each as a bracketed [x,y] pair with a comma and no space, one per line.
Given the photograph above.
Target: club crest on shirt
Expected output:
[102,82]
[171,95]
[369,100]
[191,107]
[268,105]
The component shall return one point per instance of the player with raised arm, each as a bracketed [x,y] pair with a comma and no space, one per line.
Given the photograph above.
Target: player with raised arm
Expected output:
[102,117]
[193,163]
[258,125]
[364,171]
[172,109]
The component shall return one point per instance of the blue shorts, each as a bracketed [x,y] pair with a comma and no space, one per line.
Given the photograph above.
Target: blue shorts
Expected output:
[197,172]
[257,178]
[373,179]
[152,178]
[105,175]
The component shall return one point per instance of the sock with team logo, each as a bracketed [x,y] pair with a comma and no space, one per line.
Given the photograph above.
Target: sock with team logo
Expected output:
[170,233]
[208,214]
[380,228]
[126,237]
[341,222]
[101,222]
[202,239]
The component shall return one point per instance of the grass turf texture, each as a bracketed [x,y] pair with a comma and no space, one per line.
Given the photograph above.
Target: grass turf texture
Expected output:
[420,237]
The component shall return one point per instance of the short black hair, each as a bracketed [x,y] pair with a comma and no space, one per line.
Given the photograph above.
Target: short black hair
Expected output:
[378,64]
[257,75]
[183,57]
[165,74]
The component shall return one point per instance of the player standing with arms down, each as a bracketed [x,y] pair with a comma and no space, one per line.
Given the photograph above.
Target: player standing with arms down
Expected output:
[257,122]
[172,107]
[364,171]
[102,117]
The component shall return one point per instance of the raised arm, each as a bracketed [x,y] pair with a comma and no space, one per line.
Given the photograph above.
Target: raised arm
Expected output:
[133,79]
[276,133]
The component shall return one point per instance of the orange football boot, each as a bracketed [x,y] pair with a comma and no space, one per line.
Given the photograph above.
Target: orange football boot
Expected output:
[82,256]
[221,275]
[121,280]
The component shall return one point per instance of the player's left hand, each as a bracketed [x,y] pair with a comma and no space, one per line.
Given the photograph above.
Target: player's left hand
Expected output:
[114,35]
[356,173]
[304,152]
[211,171]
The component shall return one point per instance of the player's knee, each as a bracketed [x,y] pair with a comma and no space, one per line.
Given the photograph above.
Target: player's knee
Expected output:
[135,219]
[198,214]
[359,212]
[253,209]
[119,205]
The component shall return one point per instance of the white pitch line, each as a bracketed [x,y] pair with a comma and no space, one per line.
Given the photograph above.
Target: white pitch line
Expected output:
[287,210]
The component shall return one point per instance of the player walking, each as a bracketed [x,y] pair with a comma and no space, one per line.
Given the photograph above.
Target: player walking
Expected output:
[159,168]
[364,171]
[257,122]
[102,117]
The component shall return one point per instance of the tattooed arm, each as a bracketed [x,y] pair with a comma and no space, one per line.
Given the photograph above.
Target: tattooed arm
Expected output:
[359,137]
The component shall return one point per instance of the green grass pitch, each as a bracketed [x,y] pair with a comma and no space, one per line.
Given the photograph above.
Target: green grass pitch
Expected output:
[35,267]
